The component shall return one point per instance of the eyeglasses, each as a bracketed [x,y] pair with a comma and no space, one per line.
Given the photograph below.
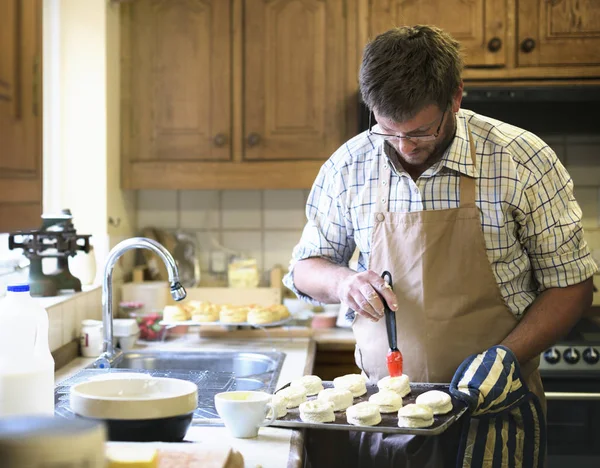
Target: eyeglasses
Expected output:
[415,139]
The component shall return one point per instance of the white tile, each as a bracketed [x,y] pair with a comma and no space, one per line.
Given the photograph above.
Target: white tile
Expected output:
[157,208]
[587,197]
[284,209]
[248,243]
[278,248]
[199,209]
[241,209]
[71,326]
[205,247]
[93,305]
[55,329]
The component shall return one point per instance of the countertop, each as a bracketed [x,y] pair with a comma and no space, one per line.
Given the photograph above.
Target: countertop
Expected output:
[274,447]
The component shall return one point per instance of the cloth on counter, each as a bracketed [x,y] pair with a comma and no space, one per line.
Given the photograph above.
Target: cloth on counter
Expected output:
[506,425]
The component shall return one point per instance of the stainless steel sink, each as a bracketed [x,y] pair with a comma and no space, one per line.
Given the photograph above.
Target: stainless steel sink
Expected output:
[242,364]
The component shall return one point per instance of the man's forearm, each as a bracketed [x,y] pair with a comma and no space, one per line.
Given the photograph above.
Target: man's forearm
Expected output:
[319,278]
[550,317]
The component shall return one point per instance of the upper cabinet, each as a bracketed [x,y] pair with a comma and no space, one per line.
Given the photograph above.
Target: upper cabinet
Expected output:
[479,25]
[508,39]
[20,114]
[235,93]
[293,80]
[558,32]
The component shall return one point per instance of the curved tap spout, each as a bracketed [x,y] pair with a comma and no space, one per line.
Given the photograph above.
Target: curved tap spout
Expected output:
[177,290]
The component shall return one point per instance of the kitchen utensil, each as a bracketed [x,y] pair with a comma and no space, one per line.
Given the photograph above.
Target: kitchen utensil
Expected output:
[389,421]
[394,356]
[186,257]
[244,412]
[140,409]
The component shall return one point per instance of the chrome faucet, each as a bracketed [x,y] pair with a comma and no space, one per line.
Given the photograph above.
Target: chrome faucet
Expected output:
[110,354]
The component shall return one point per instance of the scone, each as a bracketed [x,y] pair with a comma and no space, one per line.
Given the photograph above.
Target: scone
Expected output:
[388,401]
[317,411]
[340,398]
[439,402]
[400,384]
[293,396]
[415,416]
[175,313]
[203,312]
[354,382]
[280,310]
[233,314]
[279,405]
[261,315]
[363,414]
[312,384]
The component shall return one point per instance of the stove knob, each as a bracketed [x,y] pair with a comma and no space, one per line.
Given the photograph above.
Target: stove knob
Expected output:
[552,356]
[591,356]
[571,355]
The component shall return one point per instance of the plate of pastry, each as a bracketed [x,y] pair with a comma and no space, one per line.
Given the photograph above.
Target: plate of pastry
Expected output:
[207,313]
[394,405]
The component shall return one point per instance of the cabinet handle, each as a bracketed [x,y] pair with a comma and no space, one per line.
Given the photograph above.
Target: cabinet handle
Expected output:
[220,140]
[253,139]
[527,45]
[495,44]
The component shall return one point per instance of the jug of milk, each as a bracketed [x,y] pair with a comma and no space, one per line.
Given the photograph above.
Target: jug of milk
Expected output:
[26,365]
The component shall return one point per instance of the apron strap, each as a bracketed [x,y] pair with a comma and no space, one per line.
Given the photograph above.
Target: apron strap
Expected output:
[467,184]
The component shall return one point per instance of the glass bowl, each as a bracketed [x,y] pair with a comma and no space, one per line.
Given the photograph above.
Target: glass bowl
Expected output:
[150,327]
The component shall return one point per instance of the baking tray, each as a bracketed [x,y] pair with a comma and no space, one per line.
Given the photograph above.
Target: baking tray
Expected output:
[389,421]
[191,323]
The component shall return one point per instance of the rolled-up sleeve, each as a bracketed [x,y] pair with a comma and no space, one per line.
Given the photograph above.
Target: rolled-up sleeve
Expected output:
[328,232]
[552,231]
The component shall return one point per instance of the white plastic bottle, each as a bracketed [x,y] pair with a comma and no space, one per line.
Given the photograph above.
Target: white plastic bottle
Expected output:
[26,365]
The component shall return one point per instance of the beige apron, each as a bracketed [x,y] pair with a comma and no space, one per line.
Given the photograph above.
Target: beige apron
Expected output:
[449,304]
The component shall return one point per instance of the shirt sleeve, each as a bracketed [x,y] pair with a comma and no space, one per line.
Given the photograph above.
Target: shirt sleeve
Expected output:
[552,231]
[328,232]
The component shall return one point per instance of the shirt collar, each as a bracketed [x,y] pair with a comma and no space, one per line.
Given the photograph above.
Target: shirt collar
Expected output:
[458,155]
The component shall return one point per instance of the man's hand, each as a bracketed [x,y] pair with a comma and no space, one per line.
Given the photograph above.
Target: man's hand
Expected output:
[363,292]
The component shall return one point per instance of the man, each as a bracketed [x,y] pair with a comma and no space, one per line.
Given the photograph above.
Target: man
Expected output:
[474,218]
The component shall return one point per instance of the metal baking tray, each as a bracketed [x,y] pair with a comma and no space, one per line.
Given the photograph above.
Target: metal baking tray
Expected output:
[191,323]
[389,421]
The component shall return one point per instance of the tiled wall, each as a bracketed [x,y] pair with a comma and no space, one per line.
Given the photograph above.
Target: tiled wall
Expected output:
[263,224]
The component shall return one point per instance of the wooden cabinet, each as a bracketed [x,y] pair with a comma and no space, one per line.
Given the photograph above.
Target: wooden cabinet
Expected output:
[506,40]
[20,115]
[223,94]
[558,32]
[479,25]
[331,361]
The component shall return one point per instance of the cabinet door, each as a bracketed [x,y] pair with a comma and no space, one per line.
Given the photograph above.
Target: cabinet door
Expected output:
[20,115]
[177,80]
[294,78]
[559,32]
[479,25]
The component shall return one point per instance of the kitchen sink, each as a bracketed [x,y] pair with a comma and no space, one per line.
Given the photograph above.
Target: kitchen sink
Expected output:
[241,364]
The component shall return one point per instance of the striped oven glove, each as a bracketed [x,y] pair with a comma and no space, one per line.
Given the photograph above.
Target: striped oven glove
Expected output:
[505,426]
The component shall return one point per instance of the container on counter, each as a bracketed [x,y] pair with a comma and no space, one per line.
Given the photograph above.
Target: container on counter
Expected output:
[26,365]
[91,338]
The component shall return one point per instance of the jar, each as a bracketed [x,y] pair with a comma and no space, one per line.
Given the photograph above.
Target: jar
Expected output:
[91,338]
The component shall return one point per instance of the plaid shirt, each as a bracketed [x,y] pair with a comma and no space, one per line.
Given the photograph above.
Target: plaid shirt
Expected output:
[530,219]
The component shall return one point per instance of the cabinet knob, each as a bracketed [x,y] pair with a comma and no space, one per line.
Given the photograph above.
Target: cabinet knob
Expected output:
[253,139]
[495,44]
[220,140]
[527,45]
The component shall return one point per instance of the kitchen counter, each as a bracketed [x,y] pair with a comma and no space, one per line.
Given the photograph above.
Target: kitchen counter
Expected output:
[274,447]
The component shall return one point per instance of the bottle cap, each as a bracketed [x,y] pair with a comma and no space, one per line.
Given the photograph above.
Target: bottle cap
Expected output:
[18,288]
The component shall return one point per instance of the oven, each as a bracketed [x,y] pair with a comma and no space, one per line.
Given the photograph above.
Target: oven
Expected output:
[571,376]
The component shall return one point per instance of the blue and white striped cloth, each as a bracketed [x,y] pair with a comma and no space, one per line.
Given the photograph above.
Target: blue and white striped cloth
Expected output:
[530,219]
[506,426]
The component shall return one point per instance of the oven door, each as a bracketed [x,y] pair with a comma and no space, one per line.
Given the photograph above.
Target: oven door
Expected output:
[573,421]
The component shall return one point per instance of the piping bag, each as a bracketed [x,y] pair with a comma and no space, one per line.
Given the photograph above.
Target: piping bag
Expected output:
[394,356]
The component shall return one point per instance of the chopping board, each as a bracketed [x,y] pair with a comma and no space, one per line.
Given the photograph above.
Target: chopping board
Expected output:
[189,456]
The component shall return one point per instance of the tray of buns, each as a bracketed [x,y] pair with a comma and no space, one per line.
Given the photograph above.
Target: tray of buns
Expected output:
[207,313]
[425,418]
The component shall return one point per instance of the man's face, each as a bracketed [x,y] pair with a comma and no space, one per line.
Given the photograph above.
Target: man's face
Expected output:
[417,153]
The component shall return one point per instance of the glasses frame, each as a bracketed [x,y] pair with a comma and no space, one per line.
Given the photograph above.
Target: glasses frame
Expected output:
[419,138]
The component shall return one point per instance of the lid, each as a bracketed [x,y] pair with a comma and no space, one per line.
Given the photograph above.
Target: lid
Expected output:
[18,288]
[91,323]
